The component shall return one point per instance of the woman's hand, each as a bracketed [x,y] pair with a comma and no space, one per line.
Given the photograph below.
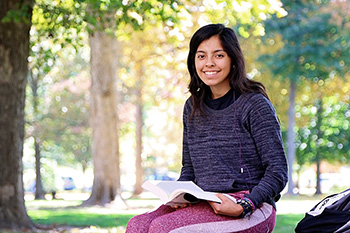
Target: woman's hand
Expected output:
[180,206]
[227,206]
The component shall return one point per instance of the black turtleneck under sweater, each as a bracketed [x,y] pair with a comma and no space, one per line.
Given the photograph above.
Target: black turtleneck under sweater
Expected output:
[222,102]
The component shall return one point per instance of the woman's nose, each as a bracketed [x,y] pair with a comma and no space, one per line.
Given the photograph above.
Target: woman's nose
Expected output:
[209,63]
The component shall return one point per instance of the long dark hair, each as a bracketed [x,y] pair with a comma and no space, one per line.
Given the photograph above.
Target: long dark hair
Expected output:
[237,76]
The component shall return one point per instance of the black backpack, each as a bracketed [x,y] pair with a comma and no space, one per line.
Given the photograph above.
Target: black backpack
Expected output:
[332,214]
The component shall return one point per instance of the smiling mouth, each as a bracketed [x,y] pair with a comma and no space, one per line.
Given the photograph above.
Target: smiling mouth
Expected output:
[210,72]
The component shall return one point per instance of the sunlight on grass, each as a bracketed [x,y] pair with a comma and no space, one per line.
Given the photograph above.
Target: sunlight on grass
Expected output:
[62,213]
[287,222]
[78,218]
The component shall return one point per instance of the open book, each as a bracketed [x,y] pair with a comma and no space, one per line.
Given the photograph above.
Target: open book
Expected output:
[177,192]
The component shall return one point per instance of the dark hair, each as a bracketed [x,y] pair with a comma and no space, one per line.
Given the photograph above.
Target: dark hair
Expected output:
[237,76]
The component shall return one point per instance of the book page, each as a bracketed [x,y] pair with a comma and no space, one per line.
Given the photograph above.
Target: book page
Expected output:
[170,186]
[177,189]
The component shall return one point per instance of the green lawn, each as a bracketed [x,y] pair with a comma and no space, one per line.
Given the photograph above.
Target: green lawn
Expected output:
[60,213]
[286,223]
[78,217]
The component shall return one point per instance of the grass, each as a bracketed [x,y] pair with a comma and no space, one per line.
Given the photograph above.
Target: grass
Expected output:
[78,217]
[286,223]
[67,216]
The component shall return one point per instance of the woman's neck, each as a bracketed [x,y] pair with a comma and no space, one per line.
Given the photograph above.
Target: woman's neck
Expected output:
[215,94]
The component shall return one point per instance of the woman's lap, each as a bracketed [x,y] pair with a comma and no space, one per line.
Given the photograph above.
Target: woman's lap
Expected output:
[262,220]
[200,218]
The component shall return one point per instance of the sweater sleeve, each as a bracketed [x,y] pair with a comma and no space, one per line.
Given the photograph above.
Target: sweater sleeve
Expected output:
[265,130]
[187,173]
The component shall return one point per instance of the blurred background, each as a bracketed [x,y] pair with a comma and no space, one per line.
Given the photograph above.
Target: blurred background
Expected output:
[300,50]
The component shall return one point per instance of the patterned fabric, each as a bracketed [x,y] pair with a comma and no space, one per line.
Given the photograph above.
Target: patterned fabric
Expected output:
[228,151]
[262,220]
[236,148]
[201,218]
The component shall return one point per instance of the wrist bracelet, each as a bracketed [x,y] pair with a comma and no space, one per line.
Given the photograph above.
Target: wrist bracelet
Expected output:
[247,207]
[250,202]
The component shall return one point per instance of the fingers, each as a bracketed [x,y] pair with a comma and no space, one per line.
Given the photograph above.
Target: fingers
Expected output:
[227,206]
[180,205]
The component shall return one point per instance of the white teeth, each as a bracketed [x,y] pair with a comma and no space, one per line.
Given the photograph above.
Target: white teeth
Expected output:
[210,73]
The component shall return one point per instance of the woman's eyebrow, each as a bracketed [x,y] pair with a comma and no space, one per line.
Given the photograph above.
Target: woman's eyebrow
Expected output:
[215,51]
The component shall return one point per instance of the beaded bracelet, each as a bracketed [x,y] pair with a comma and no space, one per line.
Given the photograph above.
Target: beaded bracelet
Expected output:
[248,207]
[250,202]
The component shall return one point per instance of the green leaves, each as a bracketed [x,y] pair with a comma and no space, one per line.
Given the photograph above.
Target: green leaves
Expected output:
[21,13]
[333,123]
[312,42]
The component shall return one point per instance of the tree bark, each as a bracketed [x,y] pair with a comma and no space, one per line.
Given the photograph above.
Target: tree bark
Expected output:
[318,174]
[318,156]
[14,51]
[291,137]
[39,191]
[104,121]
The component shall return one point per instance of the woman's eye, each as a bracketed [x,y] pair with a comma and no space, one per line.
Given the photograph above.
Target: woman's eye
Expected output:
[200,56]
[220,55]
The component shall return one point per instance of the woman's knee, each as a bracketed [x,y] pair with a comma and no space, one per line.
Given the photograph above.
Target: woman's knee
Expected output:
[162,224]
[138,224]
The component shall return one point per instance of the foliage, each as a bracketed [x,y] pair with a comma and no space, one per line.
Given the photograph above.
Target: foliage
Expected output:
[309,37]
[160,52]
[151,70]
[73,16]
[334,123]
[246,17]
[58,25]
[68,101]
[156,65]
[61,119]
[314,47]
[21,13]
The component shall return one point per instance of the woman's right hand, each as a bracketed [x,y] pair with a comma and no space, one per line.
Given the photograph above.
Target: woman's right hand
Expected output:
[179,206]
[227,207]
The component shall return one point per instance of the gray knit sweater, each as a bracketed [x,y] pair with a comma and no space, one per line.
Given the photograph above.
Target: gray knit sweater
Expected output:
[236,148]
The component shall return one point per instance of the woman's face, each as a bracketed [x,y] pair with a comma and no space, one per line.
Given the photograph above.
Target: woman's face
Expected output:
[213,66]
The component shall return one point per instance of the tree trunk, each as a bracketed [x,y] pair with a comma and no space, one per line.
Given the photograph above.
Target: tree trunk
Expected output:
[318,174]
[14,51]
[139,125]
[103,117]
[39,191]
[291,136]
[318,156]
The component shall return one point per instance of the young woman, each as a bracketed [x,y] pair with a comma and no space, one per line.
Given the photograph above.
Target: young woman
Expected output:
[231,144]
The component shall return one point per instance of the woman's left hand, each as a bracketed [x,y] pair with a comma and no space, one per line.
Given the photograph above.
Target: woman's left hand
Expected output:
[227,206]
